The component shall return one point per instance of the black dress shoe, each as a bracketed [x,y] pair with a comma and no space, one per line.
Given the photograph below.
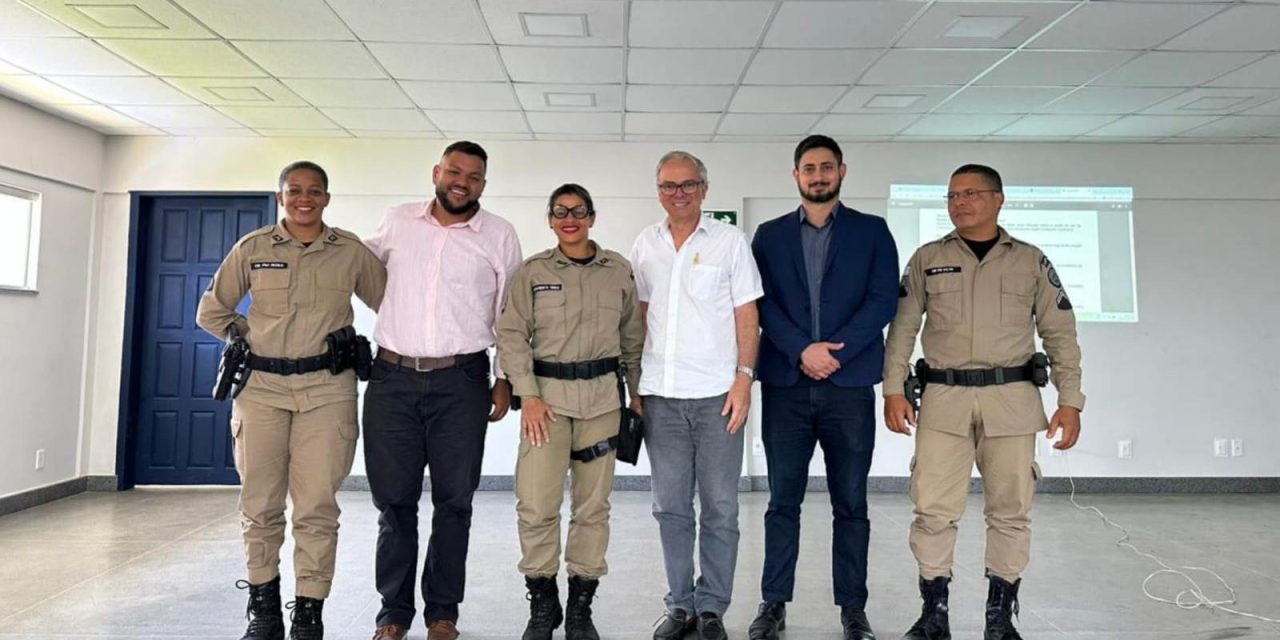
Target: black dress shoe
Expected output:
[856,626]
[711,627]
[771,619]
[675,626]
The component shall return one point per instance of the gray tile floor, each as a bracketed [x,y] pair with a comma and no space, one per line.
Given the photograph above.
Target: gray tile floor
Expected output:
[161,564]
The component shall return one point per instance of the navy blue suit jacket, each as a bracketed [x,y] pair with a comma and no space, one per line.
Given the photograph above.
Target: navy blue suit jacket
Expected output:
[859,297]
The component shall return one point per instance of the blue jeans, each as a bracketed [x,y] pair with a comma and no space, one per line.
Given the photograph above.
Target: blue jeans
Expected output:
[688,445]
[842,420]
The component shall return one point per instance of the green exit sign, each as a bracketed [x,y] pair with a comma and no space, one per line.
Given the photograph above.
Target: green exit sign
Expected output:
[727,216]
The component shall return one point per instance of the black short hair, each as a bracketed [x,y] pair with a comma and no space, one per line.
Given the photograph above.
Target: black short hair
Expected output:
[990,175]
[818,141]
[300,165]
[571,189]
[468,147]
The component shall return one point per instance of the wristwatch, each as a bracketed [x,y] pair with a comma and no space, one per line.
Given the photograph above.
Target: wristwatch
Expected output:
[747,371]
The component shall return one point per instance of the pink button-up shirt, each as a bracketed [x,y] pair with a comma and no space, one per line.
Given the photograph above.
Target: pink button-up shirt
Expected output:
[445,285]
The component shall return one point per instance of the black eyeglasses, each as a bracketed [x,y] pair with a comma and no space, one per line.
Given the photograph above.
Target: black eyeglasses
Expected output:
[689,186]
[578,213]
[968,194]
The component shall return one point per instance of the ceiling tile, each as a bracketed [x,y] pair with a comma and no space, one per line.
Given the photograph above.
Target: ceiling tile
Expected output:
[128,90]
[562,97]
[1263,73]
[185,57]
[1053,68]
[304,133]
[864,124]
[565,65]
[488,137]
[1242,126]
[20,21]
[754,138]
[7,69]
[164,117]
[1122,25]
[958,125]
[1174,69]
[443,21]
[992,100]
[379,119]
[575,122]
[681,140]
[697,23]
[1109,100]
[64,56]
[496,96]
[124,18]
[269,19]
[131,131]
[1212,102]
[1151,126]
[362,133]
[460,62]
[864,99]
[781,99]
[279,117]
[1269,109]
[99,116]
[686,66]
[865,25]
[1048,126]
[678,98]
[350,93]
[1239,28]
[508,26]
[902,66]
[190,132]
[769,124]
[237,91]
[1027,18]
[808,66]
[581,137]
[37,90]
[671,123]
[480,121]
[312,59]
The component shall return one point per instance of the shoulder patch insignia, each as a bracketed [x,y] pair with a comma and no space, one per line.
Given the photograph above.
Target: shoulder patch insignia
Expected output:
[1064,303]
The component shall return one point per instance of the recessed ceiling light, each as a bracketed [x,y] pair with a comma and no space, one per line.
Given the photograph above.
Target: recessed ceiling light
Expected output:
[981,27]
[892,101]
[1214,103]
[563,99]
[118,16]
[239,94]
[557,25]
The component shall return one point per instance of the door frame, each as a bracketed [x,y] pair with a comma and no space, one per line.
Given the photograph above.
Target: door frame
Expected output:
[139,226]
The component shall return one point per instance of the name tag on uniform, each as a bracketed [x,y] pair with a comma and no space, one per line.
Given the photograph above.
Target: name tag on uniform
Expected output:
[254,266]
[539,288]
[934,271]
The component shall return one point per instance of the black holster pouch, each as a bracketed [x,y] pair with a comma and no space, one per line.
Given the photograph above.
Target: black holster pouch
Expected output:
[233,369]
[349,350]
[626,444]
[1039,369]
[913,388]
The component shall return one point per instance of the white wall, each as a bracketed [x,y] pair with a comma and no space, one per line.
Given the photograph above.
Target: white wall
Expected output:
[1169,383]
[42,335]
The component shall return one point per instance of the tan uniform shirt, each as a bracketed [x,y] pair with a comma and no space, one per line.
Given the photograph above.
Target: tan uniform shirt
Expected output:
[300,294]
[981,316]
[560,311]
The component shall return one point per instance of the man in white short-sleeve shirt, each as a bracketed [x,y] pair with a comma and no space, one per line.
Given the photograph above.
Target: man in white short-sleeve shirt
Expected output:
[698,282]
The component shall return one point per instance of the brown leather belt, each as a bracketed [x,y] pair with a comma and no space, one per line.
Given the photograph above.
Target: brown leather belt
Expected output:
[423,365]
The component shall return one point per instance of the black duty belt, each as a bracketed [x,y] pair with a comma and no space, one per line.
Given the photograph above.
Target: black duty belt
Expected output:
[978,377]
[289,367]
[585,370]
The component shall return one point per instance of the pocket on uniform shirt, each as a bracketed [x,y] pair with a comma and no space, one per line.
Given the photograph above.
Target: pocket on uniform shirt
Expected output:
[548,313]
[269,289]
[705,281]
[944,300]
[610,310]
[1017,296]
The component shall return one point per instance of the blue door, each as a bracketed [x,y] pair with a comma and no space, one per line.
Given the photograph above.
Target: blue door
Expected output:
[180,434]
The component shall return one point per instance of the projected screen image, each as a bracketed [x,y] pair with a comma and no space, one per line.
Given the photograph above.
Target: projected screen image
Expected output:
[1086,231]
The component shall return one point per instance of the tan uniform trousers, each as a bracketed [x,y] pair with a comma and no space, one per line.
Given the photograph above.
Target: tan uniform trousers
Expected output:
[940,475]
[539,479]
[306,455]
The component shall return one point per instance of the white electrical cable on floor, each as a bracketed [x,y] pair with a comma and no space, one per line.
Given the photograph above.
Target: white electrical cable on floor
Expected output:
[1192,597]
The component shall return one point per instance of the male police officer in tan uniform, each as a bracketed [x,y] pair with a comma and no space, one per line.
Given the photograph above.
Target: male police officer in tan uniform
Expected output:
[572,320]
[984,295]
[294,425]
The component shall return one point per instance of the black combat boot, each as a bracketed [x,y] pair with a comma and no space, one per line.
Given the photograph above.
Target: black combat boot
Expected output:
[1002,607]
[545,614]
[306,621]
[266,622]
[577,615]
[934,622]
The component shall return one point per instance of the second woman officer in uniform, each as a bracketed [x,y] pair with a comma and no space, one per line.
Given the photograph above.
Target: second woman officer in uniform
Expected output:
[295,422]
[571,321]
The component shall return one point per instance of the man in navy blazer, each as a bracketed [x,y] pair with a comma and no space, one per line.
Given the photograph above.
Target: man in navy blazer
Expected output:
[830,288]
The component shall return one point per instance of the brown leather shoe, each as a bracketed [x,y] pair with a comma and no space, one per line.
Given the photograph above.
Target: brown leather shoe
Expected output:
[442,630]
[390,632]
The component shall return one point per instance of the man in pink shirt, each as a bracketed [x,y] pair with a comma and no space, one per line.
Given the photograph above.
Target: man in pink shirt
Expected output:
[448,264]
